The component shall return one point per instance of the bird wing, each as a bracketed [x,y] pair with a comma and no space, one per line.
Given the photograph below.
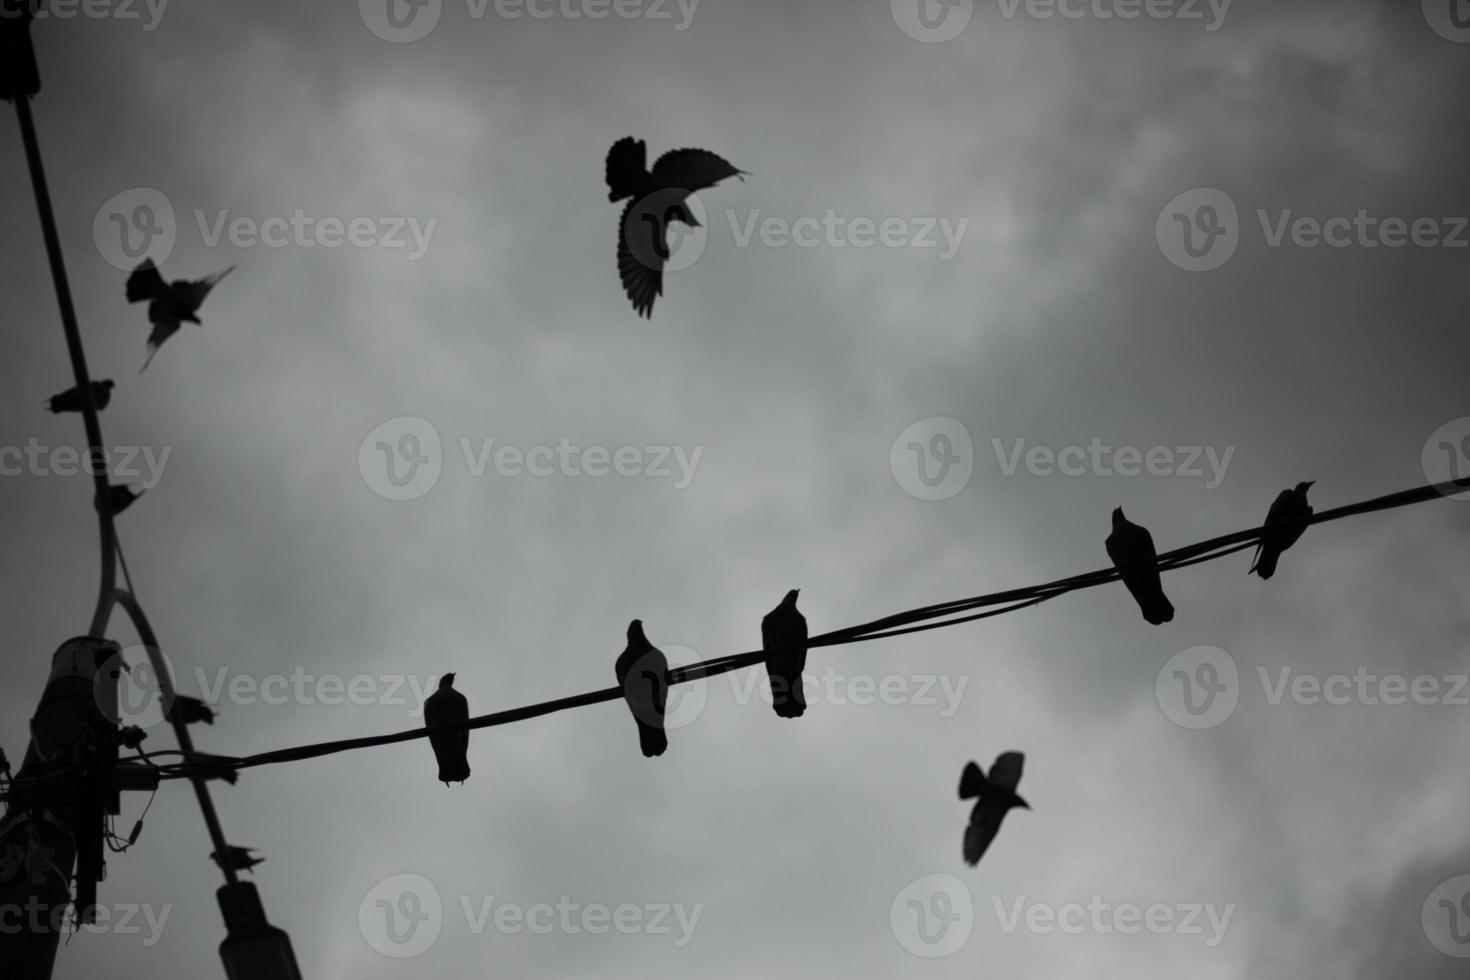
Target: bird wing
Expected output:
[692,170]
[984,825]
[627,160]
[194,292]
[145,283]
[972,781]
[642,250]
[1006,772]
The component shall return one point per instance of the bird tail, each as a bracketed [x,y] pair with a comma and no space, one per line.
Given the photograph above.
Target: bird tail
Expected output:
[652,740]
[1265,563]
[789,704]
[454,772]
[149,359]
[51,406]
[972,782]
[627,162]
[1159,611]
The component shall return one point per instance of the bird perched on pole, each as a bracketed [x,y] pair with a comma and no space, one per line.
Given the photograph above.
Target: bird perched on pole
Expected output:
[997,797]
[643,674]
[71,399]
[239,858]
[169,304]
[1289,505]
[784,630]
[189,711]
[447,706]
[657,197]
[120,497]
[1131,548]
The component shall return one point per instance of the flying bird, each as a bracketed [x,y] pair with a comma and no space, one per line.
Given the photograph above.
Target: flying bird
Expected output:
[169,304]
[643,674]
[445,707]
[997,793]
[1289,505]
[71,399]
[120,497]
[239,858]
[784,629]
[1131,548]
[189,710]
[656,199]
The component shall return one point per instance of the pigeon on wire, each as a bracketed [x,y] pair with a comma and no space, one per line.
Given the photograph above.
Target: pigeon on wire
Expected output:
[451,749]
[71,399]
[169,304]
[643,674]
[189,711]
[656,198]
[784,629]
[239,858]
[1289,505]
[997,796]
[120,497]
[1131,548]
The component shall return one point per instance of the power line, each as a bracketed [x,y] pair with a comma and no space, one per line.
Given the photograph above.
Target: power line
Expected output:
[937,616]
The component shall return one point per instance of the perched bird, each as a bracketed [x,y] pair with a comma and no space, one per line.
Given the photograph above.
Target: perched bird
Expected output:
[445,707]
[120,497]
[656,198]
[189,710]
[71,399]
[239,858]
[1131,548]
[1289,505]
[222,763]
[169,304]
[643,674]
[997,793]
[784,629]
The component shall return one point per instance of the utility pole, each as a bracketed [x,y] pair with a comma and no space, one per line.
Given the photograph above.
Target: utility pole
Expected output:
[70,780]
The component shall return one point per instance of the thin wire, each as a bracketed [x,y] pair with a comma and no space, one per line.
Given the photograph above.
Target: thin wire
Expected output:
[899,624]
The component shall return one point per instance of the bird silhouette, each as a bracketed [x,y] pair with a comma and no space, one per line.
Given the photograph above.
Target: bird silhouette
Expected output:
[997,793]
[1131,548]
[643,674]
[784,629]
[169,304]
[445,707]
[120,497]
[1289,505]
[656,199]
[189,710]
[239,858]
[71,399]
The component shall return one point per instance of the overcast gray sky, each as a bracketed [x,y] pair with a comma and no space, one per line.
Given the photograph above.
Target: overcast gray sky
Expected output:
[1063,311]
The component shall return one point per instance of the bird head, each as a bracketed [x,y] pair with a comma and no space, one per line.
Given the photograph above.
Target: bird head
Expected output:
[1118,517]
[681,213]
[107,383]
[635,632]
[1302,488]
[790,599]
[447,680]
[1021,802]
